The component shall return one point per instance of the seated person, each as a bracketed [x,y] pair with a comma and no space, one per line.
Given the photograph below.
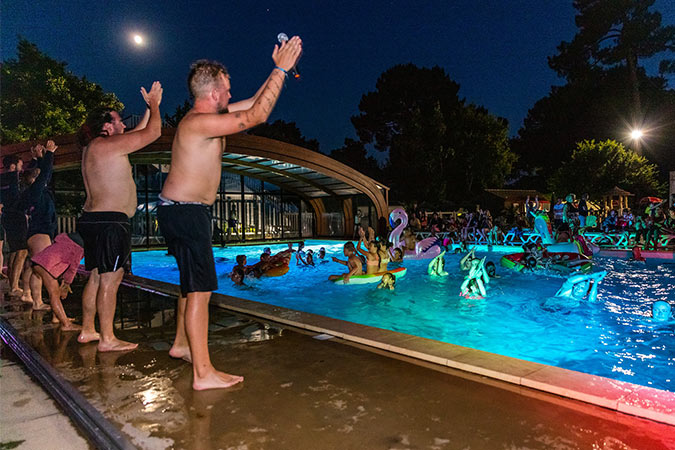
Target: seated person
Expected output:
[353,263]
[61,259]
[388,281]
[579,286]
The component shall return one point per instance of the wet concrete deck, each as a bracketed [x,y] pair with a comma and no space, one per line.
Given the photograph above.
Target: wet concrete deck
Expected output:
[304,392]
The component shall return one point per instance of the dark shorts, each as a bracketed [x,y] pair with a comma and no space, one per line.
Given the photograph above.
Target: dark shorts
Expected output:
[187,231]
[16,230]
[107,240]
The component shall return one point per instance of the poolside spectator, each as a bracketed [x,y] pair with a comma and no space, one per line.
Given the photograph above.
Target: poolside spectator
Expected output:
[583,210]
[640,230]
[37,201]
[357,223]
[610,222]
[111,201]
[192,187]
[14,222]
[558,213]
[353,263]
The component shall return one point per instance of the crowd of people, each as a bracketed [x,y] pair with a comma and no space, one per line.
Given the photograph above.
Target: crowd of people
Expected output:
[567,217]
[37,257]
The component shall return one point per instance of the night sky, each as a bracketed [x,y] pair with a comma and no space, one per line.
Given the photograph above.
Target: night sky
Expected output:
[495,49]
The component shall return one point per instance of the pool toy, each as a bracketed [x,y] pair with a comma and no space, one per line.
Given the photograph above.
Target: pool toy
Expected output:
[437,266]
[425,249]
[276,271]
[661,311]
[651,256]
[371,278]
[473,284]
[564,262]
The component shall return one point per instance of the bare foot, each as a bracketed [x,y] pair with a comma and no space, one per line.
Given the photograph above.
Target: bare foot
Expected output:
[216,380]
[56,319]
[115,345]
[18,292]
[88,336]
[41,307]
[70,326]
[181,353]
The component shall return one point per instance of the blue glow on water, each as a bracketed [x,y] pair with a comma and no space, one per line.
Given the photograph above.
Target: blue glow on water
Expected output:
[613,337]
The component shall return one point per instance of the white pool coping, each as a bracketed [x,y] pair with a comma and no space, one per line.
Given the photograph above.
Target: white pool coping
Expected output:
[645,402]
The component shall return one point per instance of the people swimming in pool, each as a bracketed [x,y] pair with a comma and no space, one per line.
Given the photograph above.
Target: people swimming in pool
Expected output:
[474,282]
[397,255]
[309,257]
[240,271]
[388,282]
[437,266]
[383,253]
[491,270]
[465,262]
[582,286]
[300,254]
[661,311]
[353,263]
[322,255]
[370,253]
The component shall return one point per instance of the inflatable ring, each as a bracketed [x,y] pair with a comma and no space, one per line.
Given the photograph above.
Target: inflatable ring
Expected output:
[372,278]
[276,271]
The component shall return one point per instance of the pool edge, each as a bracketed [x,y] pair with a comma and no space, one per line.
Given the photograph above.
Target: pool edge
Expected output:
[625,397]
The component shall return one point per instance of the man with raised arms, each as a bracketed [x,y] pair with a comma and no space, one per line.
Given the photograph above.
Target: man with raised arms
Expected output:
[190,189]
[111,202]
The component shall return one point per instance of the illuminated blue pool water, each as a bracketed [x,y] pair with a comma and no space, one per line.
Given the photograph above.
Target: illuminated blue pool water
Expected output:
[613,337]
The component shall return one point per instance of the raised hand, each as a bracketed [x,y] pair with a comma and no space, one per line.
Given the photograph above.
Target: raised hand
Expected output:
[51,146]
[37,151]
[287,55]
[154,97]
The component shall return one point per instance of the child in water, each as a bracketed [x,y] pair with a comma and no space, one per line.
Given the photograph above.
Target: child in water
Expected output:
[239,271]
[388,281]
[322,254]
[309,257]
[353,263]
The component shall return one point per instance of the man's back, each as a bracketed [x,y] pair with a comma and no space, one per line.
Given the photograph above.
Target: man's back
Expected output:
[108,180]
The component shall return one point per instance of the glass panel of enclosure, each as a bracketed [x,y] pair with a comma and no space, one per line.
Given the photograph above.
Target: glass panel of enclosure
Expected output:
[245,208]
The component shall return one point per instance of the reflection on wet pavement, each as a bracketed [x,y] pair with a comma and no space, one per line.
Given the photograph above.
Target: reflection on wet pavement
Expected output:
[301,392]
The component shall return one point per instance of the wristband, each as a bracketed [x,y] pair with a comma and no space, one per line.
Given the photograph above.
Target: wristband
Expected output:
[284,71]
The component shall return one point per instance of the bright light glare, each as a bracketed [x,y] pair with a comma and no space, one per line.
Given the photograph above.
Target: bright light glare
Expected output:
[138,39]
[636,134]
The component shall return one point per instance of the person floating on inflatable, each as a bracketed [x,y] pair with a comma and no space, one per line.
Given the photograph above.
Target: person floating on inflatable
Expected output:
[353,263]
[437,266]
[661,311]
[388,282]
[474,284]
[579,286]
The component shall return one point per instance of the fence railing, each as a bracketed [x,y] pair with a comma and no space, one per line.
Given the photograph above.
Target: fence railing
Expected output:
[518,238]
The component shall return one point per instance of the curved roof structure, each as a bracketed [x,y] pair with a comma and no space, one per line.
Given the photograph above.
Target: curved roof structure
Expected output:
[307,173]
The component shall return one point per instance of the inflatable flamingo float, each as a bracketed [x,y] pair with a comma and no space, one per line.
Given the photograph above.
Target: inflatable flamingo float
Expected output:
[425,249]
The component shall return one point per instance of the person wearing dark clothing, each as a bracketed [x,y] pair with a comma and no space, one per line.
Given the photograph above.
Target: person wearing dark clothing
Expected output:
[13,221]
[583,210]
[36,202]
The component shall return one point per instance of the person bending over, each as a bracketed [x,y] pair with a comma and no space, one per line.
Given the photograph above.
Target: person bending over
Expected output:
[60,259]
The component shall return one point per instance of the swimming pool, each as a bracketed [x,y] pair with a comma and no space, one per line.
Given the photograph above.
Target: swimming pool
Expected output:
[613,337]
